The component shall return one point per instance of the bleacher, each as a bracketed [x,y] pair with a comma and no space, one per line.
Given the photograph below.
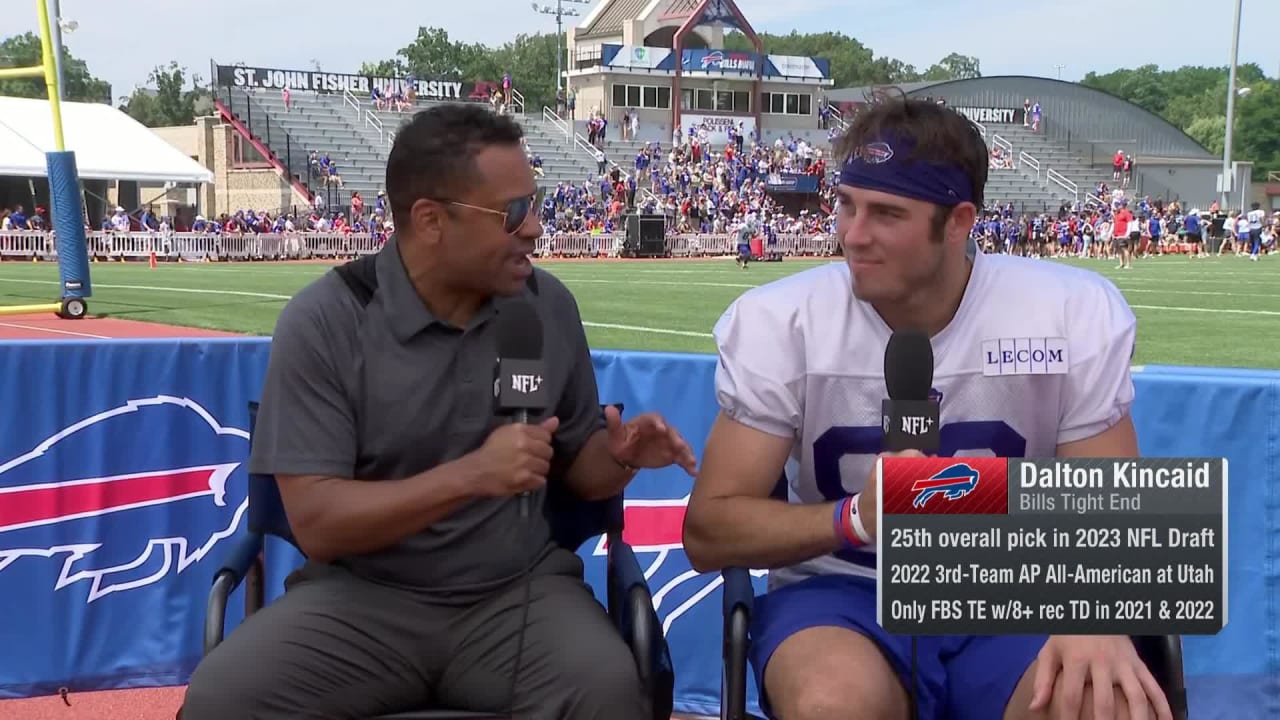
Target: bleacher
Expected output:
[1050,164]
[357,137]
[314,123]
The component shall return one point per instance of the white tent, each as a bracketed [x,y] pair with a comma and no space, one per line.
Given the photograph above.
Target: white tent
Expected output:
[109,145]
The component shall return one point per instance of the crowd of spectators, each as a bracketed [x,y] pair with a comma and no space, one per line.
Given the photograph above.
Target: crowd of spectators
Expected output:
[1089,231]
[704,183]
[699,185]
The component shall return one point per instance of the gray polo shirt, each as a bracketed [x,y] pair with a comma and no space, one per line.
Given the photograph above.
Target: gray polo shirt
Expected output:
[387,391]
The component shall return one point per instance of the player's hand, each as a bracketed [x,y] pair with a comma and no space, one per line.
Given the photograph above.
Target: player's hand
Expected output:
[1103,662]
[514,459]
[648,442]
[869,498]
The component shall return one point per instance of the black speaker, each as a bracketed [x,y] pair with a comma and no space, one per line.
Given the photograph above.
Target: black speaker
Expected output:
[646,236]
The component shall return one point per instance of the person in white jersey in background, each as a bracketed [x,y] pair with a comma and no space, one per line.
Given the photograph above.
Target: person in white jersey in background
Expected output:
[1255,217]
[800,381]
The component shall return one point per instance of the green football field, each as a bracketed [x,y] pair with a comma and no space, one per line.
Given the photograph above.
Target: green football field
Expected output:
[1210,312]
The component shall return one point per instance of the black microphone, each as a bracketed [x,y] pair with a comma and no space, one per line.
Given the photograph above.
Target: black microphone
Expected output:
[909,417]
[518,389]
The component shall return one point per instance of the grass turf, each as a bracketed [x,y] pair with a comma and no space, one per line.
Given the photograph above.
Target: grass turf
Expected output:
[1218,312]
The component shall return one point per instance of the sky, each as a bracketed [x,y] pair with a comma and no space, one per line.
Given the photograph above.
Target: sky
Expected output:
[1031,37]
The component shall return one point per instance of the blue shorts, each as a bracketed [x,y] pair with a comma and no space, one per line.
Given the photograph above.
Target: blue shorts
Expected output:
[957,677]
[744,250]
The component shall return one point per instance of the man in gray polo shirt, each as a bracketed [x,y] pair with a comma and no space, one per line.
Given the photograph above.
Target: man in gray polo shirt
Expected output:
[424,584]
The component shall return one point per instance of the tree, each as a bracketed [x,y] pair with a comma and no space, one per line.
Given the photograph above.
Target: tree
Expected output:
[1195,100]
[954,67]
[24,51]
[531,60]
[167,101]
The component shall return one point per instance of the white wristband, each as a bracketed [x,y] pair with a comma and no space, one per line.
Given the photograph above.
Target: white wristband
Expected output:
[855,521]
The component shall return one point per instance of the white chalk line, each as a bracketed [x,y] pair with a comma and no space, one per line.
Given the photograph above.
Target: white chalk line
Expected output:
[633,328]
[1227,311]
[158,288]
[37,328]
[644,329]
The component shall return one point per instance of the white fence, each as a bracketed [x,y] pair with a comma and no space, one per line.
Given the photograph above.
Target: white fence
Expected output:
[198,247]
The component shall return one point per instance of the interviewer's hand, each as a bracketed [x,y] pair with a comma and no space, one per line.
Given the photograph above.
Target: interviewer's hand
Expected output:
[648,441]
[869,499]
[514,459]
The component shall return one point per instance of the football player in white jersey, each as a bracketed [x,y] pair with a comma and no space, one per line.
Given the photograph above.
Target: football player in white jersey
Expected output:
[800,382]
[1256,216]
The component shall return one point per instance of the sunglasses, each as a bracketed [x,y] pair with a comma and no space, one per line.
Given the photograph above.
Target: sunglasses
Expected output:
[516,212]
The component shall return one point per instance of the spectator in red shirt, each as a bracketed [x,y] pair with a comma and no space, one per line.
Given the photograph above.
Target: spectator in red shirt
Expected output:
[1122,237]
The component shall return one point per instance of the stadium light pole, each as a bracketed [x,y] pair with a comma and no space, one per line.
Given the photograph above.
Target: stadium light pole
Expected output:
[1228,181]
[560,12]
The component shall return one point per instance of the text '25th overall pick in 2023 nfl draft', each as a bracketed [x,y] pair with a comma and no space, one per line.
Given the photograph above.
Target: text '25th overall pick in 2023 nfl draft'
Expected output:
[994,546]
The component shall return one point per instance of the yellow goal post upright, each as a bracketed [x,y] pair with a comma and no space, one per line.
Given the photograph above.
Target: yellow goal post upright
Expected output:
[64,190]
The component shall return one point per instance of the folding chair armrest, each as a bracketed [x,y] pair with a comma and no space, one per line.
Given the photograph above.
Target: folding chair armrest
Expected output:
[632,610]
[739,599]
[1162,655]
[240,563]
[737,590]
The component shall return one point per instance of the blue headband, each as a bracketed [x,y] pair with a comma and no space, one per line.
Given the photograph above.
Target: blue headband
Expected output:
[885,167]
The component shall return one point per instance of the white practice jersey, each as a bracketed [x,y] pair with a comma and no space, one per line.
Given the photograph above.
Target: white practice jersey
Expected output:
[1037,355]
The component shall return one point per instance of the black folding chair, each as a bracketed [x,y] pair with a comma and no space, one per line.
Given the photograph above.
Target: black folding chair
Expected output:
[1161,653]
[573,522]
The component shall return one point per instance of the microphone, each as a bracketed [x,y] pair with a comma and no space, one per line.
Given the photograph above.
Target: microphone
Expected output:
[909,417]
[518,390]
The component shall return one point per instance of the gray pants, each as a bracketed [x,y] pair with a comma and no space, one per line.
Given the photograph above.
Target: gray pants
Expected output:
[338,647]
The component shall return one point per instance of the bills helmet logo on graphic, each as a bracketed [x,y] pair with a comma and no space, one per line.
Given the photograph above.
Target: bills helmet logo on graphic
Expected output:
[952,483]
[656,527]
[122,499]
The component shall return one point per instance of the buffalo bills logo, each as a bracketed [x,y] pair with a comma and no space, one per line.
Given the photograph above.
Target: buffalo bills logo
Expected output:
[951,483]
[121,499]
[876,153]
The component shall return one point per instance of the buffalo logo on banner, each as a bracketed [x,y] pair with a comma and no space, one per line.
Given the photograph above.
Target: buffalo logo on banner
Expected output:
[121,499]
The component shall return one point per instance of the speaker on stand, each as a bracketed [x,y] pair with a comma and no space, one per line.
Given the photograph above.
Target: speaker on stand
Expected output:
[646,236]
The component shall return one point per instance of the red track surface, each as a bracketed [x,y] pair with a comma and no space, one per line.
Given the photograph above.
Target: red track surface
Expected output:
[157,704]
[47,326]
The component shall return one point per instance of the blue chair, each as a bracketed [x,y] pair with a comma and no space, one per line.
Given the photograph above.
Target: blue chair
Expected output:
[573,522]
[1161,653]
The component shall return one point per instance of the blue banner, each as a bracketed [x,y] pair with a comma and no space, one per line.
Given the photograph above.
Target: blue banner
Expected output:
[792,182]
[122,477]
[732,62]
[719,61]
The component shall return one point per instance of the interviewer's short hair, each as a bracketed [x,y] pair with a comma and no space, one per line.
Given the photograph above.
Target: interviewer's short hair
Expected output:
[434,153]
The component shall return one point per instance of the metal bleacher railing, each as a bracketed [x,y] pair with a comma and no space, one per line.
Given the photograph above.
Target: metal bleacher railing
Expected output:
[265,128]
[194,247]
[366,116]
[582,145]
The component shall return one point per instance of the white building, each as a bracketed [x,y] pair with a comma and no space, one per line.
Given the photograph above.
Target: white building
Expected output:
[623,56]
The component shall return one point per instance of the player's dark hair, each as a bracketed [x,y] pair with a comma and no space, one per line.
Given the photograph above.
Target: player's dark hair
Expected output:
[434,153]
[940,135]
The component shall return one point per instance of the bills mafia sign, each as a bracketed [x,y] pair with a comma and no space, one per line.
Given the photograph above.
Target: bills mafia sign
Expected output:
[240,76]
